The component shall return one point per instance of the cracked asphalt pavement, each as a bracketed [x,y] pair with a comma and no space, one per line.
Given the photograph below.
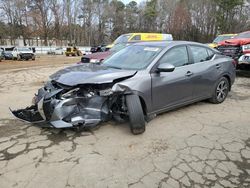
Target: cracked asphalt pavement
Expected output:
[201,145]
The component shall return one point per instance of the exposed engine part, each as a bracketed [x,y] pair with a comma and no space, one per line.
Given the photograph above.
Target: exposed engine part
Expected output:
[84,106]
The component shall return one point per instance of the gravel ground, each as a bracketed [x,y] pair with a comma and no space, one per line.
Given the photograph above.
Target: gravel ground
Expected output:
[201,145]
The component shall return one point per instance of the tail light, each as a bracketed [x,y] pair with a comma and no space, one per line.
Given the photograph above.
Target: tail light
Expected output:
[235,62]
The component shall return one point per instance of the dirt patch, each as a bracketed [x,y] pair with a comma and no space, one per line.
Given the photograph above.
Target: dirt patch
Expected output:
[39,83]
[238,96]
[8,127]
[41,61]
[245,85]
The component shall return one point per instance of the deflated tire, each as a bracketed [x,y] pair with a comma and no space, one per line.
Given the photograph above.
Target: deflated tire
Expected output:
[135,112]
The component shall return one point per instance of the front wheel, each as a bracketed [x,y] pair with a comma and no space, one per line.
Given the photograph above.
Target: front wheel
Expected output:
[136,116]
[221,91]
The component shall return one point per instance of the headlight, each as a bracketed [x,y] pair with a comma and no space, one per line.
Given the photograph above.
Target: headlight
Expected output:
[246,47]
[94,61]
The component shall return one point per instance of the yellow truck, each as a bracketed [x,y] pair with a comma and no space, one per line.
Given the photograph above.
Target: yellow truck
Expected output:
[220,38]
[133,37]
[72,51]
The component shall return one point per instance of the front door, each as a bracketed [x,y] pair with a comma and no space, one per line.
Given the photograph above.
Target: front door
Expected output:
[172,88]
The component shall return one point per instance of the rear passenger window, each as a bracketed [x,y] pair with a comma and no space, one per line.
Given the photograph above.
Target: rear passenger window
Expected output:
[136,37]
[200,54]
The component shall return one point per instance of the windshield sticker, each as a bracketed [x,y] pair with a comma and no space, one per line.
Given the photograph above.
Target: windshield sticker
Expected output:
[151,49]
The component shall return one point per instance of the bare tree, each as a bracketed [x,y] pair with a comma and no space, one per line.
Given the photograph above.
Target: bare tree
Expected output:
[92,22]
[41,15]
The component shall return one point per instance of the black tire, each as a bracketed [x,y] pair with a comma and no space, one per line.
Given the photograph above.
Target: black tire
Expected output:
[136,116]
[221,91]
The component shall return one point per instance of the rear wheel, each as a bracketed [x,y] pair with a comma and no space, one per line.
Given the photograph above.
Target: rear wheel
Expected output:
[136,116]
[221,91]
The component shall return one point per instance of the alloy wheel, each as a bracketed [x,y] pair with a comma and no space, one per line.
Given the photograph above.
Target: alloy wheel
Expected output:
[221,91]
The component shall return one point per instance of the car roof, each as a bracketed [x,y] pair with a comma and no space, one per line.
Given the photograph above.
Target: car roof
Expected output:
[164,44]
[228,34]
[245,32]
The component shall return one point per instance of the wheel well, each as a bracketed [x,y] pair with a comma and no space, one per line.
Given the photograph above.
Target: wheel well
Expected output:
[144,106]
[229,81]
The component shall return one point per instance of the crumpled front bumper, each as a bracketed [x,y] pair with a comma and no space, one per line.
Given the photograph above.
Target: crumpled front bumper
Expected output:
[63,113]
[29,114]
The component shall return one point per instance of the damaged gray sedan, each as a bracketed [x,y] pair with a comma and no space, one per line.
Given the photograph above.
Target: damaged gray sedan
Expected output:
[134,84]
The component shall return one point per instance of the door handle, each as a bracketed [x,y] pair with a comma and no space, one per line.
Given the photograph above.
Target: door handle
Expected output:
[218,66]
[189,73]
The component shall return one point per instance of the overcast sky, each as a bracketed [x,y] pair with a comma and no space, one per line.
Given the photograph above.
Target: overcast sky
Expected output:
[127,1]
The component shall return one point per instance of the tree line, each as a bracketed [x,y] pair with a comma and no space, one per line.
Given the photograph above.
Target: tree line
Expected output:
[94,22]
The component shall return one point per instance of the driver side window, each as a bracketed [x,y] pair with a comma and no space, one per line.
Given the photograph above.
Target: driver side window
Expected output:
[177,56]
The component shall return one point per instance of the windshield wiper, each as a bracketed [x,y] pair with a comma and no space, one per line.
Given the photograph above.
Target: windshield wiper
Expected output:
[114,67]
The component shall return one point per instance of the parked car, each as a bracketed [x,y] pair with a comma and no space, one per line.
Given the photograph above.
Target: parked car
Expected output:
[20,53]
[138,37]
[7,55]
[56,51]
[220,38]
[135,83]
[244,61]
[236,47]
[96,49]
[85,50]
[73,51]
[100,56]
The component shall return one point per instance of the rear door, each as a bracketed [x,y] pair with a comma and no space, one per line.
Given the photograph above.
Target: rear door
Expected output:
[205,71]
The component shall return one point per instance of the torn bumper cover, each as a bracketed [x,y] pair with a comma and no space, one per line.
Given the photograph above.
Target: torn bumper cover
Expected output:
[65,109]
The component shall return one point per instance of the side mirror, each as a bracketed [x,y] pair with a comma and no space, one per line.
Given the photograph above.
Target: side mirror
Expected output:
[165,67]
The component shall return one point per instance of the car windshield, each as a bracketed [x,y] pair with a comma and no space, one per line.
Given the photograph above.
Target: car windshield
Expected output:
[243,35]
[118,47]
[222,37]
[122,39]
[23,49]
[134,57]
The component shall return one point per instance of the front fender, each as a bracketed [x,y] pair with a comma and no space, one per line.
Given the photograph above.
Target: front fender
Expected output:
[126,90]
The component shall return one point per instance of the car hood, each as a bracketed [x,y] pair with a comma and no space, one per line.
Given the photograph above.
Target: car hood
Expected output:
[99,55]
[89,74]
[235,42]
[25,52]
